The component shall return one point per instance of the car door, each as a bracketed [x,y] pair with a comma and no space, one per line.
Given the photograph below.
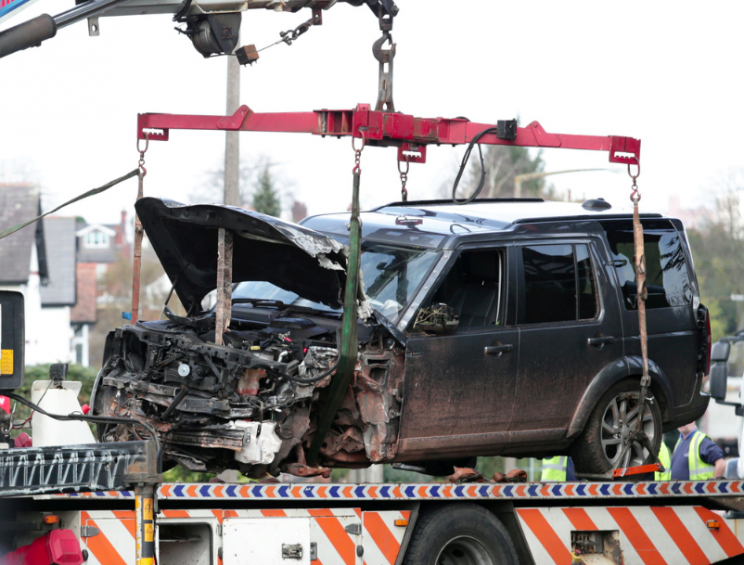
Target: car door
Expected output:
[673,335]
[569,330]
[459,386]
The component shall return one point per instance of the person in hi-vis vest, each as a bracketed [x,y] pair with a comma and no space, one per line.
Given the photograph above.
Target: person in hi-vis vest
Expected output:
[558,469]
[696,457]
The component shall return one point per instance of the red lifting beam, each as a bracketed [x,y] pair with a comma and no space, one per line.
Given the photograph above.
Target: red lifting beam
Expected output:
[410,134]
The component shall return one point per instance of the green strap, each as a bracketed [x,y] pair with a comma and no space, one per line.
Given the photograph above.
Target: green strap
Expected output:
[91,192]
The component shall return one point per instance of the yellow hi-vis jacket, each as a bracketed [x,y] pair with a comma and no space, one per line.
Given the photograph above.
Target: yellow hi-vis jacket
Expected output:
[665,458]
[554,469]
[699,469]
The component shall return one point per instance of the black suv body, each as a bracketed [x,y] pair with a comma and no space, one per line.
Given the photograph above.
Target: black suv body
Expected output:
[546,298]
[504,327]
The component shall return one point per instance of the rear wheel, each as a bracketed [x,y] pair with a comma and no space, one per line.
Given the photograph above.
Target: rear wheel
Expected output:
[599,449]
[460,534]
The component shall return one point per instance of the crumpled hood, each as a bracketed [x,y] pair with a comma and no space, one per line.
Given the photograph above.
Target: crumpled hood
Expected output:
[265,248]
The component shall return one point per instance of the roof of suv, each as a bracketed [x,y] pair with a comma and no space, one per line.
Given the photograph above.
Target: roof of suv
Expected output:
[445,218]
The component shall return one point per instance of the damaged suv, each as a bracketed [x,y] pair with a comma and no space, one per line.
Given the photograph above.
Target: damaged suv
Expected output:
[501,327]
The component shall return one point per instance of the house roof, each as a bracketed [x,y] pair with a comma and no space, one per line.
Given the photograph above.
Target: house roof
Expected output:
[60,245]
[107,254]
[20,202]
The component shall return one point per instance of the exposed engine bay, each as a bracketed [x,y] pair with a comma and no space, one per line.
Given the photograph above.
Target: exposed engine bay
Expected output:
[252,403]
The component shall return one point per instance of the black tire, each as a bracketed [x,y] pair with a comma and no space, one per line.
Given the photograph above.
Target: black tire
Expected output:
[460,534]
[594,451]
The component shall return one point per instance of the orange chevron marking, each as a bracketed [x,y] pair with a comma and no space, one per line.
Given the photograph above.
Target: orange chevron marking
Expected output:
[664,488]
[217,492]
[637,536]
[175,513]
[724,536]
[347,492]
[617,489]
[245,492]
[568,491]
[191,491]
[422,491]
[297,492]
[545,533]
[322,492]
[336,534]
[127,518]
[593,489]
[641,488]
[397,493]
[382,536]
[372,492]
[680,534]
[580,519]
[545,490]
[165,491]
[274,513]
[100,546]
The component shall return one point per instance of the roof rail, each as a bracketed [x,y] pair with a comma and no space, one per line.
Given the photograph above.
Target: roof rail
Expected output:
[447,201]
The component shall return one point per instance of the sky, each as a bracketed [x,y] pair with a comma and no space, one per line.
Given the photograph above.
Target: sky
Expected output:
[666,72]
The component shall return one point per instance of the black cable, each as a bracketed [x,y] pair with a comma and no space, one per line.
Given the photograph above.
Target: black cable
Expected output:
[95,419]
[465,159]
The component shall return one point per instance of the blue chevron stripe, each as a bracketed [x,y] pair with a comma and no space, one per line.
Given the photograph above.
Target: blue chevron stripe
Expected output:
[410,491]
[532,490]
[605,489]
[458,491]
[651,488]
[284,491]
[204,491]
[178,491]
[384,492]
[580,490]
[508,491]
[723,487]
[334,492]
[628,488]
[557,490]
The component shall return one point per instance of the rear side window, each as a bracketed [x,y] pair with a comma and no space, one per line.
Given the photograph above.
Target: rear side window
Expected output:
[667,278]
[559,284]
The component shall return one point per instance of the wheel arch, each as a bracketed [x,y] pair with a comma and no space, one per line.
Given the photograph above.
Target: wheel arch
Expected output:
[621,368]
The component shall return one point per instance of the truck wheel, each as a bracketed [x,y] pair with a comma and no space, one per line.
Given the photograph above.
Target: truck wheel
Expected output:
[460,534]
[600,445]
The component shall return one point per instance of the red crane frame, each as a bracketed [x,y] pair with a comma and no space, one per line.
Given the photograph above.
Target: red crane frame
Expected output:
[410,134]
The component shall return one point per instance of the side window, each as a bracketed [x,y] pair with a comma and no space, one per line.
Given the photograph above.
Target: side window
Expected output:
[667,280]
[559,284]
[473,288]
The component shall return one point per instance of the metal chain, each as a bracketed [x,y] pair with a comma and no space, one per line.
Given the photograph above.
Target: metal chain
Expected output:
[404,179]
[141,164]
[357,155]
[292,34]
[635,196]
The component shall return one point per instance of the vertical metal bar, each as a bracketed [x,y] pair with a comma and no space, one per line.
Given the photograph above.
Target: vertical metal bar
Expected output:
[224,282]
[232,138]
[137,260]
[144,524]
[349,324]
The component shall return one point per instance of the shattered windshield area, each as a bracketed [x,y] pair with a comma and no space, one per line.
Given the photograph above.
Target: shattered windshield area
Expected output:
[391,276]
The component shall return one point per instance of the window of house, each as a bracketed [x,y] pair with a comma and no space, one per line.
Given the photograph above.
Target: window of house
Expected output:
[96,238]
[559,284]
[473,288]
[667,279]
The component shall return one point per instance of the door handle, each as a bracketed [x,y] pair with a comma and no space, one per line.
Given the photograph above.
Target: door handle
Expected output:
[600,340]
[498,350]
